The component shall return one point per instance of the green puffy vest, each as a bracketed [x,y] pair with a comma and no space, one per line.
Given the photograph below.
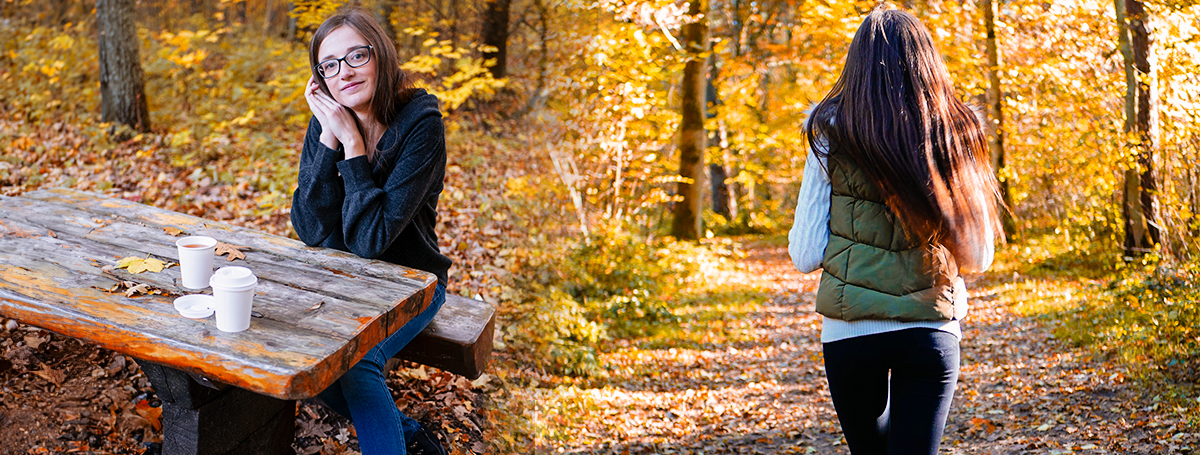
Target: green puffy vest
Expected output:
[871,269]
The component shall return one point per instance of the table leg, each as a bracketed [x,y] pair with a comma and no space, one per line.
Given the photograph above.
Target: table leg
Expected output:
[204,418]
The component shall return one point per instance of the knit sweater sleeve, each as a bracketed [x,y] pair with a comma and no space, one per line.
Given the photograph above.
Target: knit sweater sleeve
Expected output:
[372,216]
[810,228]
[316,204]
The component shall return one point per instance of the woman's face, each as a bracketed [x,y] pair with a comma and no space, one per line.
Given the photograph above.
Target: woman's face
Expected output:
[351,87]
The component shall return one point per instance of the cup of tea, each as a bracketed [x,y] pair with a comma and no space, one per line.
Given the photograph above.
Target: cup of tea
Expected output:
[233,289]
[196,260]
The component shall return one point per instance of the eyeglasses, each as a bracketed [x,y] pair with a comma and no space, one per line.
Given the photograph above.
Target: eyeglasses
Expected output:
[357,57]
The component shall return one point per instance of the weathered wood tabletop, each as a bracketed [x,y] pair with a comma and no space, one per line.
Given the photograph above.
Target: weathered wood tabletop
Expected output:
[318,311]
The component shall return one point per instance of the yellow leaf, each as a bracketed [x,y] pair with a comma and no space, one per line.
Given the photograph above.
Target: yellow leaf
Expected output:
[153,265]
[137,267]
[128,261]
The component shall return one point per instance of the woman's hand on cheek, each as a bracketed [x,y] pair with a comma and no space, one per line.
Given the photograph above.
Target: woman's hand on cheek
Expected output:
[311,93]
[339,121]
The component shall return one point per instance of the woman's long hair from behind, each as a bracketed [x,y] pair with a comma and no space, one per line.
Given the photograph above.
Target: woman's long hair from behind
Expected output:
[393,87]
[894,113]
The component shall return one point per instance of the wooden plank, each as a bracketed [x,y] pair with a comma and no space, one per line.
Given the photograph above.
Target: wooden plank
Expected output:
[44,265]
[294,351]
[458,339]
[292,300]
[109,208]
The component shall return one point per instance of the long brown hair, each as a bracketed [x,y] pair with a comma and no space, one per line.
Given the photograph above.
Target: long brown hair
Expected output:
[393,87]
[894,113]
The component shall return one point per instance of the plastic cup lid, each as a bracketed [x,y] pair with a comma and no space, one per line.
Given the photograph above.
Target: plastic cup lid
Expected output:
[233,277]
[195,306]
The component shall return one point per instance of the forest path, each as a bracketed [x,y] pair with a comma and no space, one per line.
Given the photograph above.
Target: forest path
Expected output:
[1020,391]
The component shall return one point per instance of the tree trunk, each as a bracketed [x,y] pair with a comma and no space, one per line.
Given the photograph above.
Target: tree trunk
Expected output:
[291,31]
[1140,207]
[385,18]
[720,191]
[495,34]
[716,171]
[268,17]
[122,94]
[686,222]
[995,100]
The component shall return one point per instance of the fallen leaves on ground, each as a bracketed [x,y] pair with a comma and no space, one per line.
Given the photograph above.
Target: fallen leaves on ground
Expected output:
[54,376]
[150,413]
[1021,391]
[59,395]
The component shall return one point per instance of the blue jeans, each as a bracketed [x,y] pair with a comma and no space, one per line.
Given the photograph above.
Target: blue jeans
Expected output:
[362,396]
[892,390]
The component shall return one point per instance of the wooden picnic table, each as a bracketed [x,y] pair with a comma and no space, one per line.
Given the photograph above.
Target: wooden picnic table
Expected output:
[316,311]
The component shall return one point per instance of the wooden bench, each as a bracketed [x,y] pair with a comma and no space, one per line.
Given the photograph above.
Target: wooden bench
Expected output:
[458,340]
[318,312]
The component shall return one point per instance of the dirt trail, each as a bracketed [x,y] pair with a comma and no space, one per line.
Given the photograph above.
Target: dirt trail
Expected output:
[1021,391]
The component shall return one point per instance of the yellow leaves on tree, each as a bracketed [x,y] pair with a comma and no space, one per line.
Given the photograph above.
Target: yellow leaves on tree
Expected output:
[470,77]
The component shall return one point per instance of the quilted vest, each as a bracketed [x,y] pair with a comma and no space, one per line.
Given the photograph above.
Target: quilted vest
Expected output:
[871,269]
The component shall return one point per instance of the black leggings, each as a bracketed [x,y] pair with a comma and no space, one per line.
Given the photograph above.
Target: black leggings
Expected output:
[909,420]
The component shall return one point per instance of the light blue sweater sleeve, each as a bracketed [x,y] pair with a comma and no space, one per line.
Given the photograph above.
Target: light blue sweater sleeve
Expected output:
[810,228]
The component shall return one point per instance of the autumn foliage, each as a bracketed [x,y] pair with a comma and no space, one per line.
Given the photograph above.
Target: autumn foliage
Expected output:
[561,177]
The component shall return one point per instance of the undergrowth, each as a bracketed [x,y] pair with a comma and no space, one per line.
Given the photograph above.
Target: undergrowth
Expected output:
[571,297]
[1142,312]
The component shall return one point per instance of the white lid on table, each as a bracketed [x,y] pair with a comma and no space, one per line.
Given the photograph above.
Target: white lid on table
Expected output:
[195,306]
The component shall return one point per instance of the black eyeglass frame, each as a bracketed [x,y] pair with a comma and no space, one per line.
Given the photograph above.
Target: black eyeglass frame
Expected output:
[370,50]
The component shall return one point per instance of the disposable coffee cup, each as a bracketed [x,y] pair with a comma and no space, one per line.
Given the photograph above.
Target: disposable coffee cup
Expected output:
[196,260]
[233,289]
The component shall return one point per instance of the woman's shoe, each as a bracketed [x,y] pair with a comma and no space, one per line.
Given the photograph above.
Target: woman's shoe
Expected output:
[425,443]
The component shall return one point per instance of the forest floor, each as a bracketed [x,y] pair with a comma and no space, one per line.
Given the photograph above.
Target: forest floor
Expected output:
[754,383]
[1021,390]
[60,395]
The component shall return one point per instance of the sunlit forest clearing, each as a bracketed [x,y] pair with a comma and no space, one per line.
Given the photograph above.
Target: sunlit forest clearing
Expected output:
[628,322]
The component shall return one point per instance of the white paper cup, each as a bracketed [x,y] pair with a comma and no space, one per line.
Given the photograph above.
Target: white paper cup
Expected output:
[233,288]
[196,260]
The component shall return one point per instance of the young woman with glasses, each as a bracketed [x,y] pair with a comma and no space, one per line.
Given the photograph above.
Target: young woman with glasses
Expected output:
[370,174]
[897,201]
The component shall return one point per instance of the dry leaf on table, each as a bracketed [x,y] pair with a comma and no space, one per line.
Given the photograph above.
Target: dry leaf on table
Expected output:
[138,289]
[148,265]
[138,265]
[231,251]
[173,231]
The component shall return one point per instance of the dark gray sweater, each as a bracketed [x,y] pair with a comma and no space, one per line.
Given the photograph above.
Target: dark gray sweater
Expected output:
[384,210]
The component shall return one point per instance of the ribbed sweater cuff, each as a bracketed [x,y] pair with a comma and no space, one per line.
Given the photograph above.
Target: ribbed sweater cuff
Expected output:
[356,173]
